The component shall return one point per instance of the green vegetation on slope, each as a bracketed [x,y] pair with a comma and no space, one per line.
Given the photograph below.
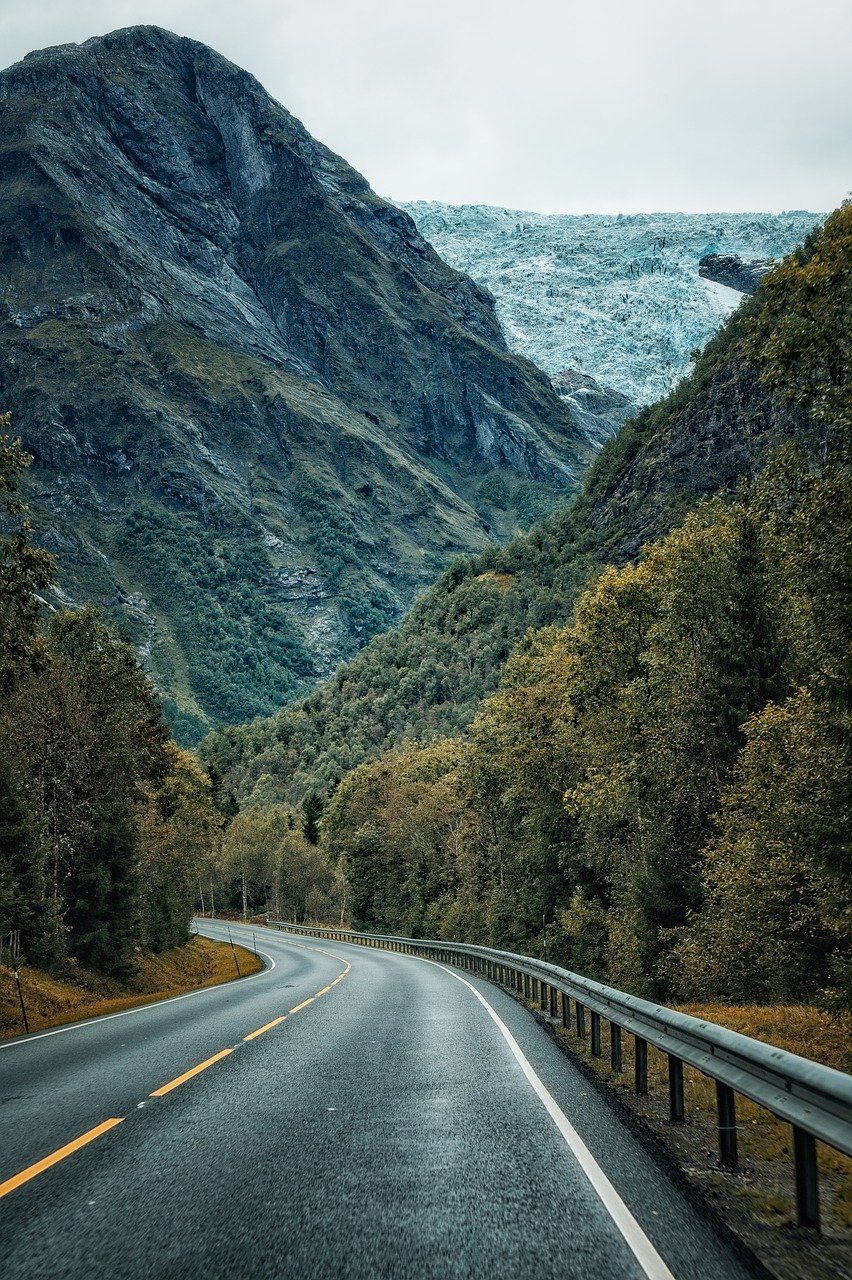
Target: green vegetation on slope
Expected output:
[662,785]
[245,652]
[665,782]
[219,345]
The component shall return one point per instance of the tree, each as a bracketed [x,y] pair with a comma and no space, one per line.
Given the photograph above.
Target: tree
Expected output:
[800,337]
[777,919]
[24,569]
[180,836]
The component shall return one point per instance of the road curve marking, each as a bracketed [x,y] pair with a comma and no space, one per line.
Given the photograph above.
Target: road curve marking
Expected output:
[269,1025]
[39,1167]
[139,1008]
[304,1004]
[640,1246]
[187,1075]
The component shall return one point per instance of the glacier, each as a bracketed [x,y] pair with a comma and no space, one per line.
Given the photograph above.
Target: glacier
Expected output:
[616,298]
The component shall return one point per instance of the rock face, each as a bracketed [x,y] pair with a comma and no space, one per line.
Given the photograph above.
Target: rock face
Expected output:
[600,411]
[263,410]
[730,270]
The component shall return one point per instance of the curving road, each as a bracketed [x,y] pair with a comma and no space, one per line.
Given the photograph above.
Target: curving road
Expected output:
[396,1119]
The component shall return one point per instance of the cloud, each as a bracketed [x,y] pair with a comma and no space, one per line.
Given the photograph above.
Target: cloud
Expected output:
[556,106]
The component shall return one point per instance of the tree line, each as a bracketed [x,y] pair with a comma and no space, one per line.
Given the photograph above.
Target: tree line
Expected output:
[657,794]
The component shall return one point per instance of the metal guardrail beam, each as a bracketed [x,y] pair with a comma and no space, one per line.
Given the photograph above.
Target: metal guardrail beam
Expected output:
[816,1100]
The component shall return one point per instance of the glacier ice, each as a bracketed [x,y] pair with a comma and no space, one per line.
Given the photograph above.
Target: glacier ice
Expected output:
[618,298]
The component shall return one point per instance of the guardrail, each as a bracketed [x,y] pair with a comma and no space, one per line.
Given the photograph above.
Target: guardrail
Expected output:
[815,1100]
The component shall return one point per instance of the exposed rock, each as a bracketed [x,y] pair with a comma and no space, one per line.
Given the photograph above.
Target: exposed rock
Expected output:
[600,411]
[731,270]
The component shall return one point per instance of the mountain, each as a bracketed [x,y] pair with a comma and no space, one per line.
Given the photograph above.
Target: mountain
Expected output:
[619,298]
[264,412]
[426,678]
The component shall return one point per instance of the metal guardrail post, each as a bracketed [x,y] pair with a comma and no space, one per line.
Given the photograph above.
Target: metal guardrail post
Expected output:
[553,1002]
[677,1110]
[542,996]
[726,1124]
[640,1065]
[807,1178]
[615,1047]
[581,1019]
[566,1010]
[596,1034]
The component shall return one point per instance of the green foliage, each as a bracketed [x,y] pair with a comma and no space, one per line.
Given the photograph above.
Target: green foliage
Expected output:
[270,865]
[120,819]
[245,653]
[180,835]
[653,783]
[24,570]
[331,534]
[801,338]
[427,678]
[21,857]
[103,821]
[395,825]
[777,920]
[423,680]
[630,775]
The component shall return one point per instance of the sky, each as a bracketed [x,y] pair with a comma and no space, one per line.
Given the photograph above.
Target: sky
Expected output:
[556,106]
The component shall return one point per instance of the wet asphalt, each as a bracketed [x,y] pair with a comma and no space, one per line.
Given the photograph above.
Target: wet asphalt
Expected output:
[384,1130]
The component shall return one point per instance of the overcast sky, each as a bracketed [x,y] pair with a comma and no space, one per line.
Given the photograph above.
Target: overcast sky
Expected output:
[576,106]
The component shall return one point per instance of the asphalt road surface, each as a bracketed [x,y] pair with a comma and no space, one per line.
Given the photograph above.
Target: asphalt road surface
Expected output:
[396,1119]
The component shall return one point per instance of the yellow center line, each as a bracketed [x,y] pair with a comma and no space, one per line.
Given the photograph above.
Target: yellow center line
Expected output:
[302,1005]
[187,1075]
[39,1167]
[274,1023]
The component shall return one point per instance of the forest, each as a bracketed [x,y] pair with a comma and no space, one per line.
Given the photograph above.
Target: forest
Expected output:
[111,835]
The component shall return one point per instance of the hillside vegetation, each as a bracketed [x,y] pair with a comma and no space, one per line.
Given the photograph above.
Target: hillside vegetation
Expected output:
[105,824]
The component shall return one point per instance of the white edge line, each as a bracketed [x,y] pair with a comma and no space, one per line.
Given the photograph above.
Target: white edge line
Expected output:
[139,1008]
[644,1252]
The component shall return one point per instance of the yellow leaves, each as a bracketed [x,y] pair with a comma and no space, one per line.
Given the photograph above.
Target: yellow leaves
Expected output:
[800,336]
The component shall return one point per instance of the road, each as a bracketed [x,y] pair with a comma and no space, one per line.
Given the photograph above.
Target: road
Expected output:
[398,1119]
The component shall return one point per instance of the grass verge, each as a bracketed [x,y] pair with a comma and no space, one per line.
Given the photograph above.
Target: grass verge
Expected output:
[74,994]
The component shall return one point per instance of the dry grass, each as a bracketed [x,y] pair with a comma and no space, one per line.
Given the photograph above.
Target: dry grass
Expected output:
[502,580]
[52,1000]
